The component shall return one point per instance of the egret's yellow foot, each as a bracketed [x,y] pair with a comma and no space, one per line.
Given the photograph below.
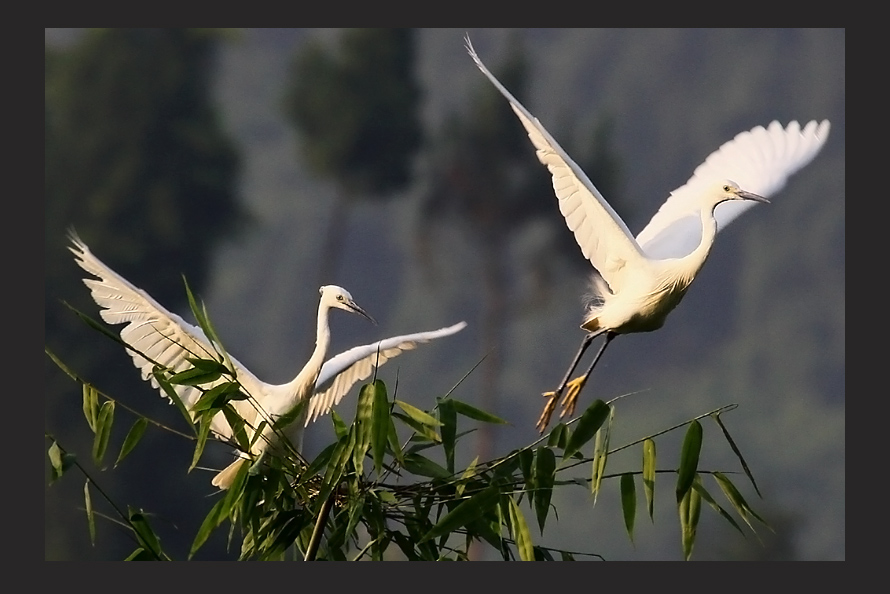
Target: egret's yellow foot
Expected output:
[544,419]
[573,388]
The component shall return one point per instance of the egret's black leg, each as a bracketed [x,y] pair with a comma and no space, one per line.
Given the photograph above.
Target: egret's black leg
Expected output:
[574,386]
[553,397]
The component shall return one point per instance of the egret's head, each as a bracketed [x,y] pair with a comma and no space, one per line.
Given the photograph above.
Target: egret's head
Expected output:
[729,190]
[334,296]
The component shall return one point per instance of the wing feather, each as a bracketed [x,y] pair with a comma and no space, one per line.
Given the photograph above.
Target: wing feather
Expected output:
[759,160]
[603,237]
[341,372]
[163,336]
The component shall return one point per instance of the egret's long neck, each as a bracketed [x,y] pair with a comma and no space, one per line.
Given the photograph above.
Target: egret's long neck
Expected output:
[697,257]
[305,380]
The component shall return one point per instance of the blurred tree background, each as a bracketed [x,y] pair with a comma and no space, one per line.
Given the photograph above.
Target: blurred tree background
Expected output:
[431,193]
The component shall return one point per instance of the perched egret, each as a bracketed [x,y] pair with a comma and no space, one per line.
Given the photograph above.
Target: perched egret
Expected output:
[639,281]
[159,336]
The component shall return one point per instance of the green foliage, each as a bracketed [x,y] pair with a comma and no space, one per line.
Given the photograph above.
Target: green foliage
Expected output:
[405,501]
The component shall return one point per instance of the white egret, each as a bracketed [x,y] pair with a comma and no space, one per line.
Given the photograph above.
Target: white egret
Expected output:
[165,338]
[639,281]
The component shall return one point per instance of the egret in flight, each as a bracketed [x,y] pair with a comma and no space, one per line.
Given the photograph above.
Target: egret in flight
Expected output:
[159,336]
[639,281]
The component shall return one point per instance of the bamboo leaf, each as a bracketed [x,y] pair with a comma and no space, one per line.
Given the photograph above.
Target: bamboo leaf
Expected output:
[469,473]
[526,464]
[161,377]
[589,423]
[88,505]
[689,507]
[203,434]
[689,459]
[738,452]
[471,412]
[558,436]
[419,428]
[628,503]
[145,534]
[424,418]
[465,513]
[61,461]
[133,437]
[544,477]
[707,497]
[103,431]
[737,500]
[601,455]
[380,425]
[194,377]
[217,396]
[649,476]
[364,418]
[448,418]
[340,427]
[237,424]
[423,466]
[210,523]
[520,532]
[90,405]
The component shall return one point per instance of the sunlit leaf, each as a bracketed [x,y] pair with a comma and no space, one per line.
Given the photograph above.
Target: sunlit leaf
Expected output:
[628,502]
[471,412]
[380,425]
[103,431]
[689,508]
[421,429]
[601,455]
[520,532]
[689,459]
[340,426]
[649,476]
[737,500]
[707,497]
[59,459]
[364,417]
[586,427]
[90,405]
[133,437]
[424,418]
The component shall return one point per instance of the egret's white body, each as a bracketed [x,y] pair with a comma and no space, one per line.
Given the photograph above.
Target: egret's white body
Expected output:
[165,338]
[641,280]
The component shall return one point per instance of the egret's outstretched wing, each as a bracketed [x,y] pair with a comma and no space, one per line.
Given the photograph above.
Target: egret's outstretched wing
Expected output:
[603,237]
[760,161]
[339,373]
[163,337]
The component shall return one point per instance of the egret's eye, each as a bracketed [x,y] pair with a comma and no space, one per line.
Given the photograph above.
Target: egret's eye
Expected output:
[339,297]
[726,188]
